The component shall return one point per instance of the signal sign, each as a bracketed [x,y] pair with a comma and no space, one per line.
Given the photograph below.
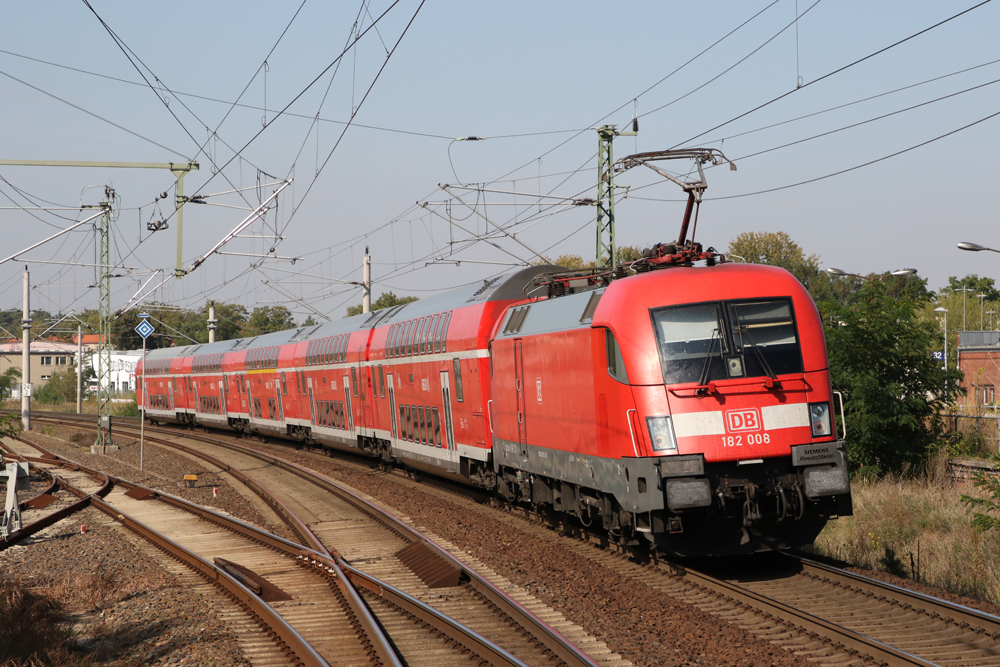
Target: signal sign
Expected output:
[144,329]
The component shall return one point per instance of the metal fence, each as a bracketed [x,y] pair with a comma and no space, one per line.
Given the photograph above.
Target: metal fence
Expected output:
[972,435]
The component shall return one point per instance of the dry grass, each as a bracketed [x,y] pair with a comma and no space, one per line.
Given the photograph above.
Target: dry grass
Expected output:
[30,632]
[916,527]
[92,590]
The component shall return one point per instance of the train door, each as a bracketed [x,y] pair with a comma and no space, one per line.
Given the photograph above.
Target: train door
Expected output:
[449,429]
[223,408]
[170,393]
[366,396]
[392,406]
[251,408]
[280,415]
[197,407]
[522,436]
[347,403]
[312,401]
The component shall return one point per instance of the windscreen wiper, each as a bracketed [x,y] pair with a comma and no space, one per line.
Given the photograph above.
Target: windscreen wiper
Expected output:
[706,367]
[744,329]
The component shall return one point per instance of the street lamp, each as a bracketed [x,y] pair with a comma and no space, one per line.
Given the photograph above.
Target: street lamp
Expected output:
[974,247]
[898,272]
[981,297]
[942,309]
[991,313]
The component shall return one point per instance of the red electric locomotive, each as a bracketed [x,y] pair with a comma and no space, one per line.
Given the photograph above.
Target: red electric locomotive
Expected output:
[690,405]
[687,406]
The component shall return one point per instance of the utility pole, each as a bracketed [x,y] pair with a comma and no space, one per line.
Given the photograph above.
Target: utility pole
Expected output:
[26,357]
[607,253]
[178,170]
[104,331]
[79,369]
[104,266]
[213,324]
[367,279]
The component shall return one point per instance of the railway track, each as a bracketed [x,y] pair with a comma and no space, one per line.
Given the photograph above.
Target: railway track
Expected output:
[265,637]
[394,556]
[308,589]
[832,616]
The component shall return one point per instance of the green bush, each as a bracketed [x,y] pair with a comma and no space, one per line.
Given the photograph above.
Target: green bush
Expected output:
[49,394]
[129,409]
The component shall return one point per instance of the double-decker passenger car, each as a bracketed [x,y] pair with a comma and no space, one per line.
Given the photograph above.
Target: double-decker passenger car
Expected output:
[687,406]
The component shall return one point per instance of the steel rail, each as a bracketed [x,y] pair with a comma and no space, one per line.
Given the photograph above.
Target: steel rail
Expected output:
[278,628]
[27,530]
[286,637]
[379,643]
[974,619]
[548,636]
[848,639]
[291,643]
[542,632]
[344,576]
[483,647]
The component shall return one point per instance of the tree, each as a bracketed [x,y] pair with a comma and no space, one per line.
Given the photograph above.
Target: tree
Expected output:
[310,322]
[978,285]
[880,358]
[10,378]
[61,388]
[268,319]
[777,249]
[626,255]
[385,300]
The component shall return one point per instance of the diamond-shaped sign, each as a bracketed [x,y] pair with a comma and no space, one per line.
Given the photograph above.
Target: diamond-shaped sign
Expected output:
[144,329]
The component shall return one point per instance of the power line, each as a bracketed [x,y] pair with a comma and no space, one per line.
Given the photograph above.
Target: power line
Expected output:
[93,115]
[870,120]
[736,64]
[861,166]
[836,71]
[848,104]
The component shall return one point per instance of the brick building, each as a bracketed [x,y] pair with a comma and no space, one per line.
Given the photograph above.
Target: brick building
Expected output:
[979,357]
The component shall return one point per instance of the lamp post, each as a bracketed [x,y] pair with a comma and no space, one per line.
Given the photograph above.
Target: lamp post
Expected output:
[942,309]
[981,298]
[991,313]
[898,272]
[974,247]
[965,295]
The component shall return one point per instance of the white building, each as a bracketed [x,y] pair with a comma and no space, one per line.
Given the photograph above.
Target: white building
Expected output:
[122,376]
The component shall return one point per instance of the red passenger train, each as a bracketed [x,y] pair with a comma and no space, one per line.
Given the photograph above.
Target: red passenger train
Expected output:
[687,406]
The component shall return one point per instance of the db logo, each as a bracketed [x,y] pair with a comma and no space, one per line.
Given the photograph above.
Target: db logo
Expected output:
[743,420]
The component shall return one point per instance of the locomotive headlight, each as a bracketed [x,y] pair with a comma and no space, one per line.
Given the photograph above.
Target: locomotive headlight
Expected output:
[819,419]
[661,433]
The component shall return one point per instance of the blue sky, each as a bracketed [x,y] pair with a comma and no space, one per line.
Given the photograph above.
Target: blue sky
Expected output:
[534,79]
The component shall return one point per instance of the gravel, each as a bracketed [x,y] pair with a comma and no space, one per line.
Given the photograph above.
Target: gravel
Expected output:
[635,620]
[119,606]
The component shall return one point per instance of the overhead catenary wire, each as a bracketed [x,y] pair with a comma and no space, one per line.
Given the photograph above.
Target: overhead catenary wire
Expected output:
[492,203]
[835,72]
[865,164]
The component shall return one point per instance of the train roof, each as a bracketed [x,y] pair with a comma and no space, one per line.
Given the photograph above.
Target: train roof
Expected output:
[505,287]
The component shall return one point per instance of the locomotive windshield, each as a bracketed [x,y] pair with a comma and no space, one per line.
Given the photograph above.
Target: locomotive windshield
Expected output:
[729,339]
